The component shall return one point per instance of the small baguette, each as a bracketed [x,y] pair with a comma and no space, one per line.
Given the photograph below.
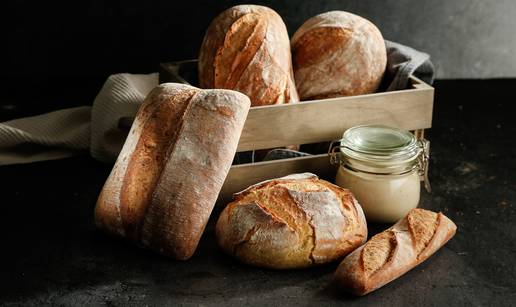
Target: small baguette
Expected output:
[395,251]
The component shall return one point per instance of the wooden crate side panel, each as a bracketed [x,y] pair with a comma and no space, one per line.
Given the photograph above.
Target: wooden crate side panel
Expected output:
[244,175]
[324,120]
[420,84]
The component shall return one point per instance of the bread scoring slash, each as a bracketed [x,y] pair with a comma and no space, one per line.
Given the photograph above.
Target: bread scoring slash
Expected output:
[247,49]
[295,221]
[395,251]
[167,177]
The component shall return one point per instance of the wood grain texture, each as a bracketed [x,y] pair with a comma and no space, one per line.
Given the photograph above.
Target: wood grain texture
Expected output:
[172,166]
[326,119]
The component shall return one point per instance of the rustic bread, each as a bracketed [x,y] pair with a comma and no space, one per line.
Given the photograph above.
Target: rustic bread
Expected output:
[167,177]
[392,253]
[246,48]
[337,54]
[291,222]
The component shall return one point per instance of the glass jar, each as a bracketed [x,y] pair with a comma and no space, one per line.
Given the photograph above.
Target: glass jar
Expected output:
[382,167]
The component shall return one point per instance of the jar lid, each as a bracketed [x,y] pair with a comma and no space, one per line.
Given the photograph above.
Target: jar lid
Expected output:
[380,149]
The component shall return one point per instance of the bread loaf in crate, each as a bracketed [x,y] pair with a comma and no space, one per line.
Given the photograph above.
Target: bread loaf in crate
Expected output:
[246,48]
[337,54]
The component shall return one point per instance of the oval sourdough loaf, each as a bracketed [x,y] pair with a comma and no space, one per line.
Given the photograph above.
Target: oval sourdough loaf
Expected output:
[246,48]
[291,222]
[167,177]
[392,253]
[337,54]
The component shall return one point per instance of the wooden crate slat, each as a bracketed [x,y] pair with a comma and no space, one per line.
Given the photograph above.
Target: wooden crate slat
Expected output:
[324,120]
[243,175]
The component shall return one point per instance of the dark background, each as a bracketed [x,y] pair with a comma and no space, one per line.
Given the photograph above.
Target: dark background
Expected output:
[60,53]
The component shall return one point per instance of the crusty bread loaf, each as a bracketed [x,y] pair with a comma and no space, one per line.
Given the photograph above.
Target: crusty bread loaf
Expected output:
[291,222]
[246,48]
[392,253]
[337,54]
[167,177]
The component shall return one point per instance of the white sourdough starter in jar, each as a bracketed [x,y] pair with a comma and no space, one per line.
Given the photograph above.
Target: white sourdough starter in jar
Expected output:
[380,166]
[384,199]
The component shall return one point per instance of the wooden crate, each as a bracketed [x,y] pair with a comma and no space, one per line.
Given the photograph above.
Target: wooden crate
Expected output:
[311,122]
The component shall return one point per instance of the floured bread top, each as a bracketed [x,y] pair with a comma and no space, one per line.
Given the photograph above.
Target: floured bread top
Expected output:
[290,222]
[337,54]
[246,48]
[379,250]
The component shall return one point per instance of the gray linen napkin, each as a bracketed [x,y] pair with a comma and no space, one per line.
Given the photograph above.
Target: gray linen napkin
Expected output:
[100,128]
[403,62]
[74,131]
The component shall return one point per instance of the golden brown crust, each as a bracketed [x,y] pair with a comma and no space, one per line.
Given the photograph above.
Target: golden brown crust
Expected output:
[108,213]
[291,222]
[164,184]
[148,158]
[395,251]
[243,39]
[317,43]
[246,48]
[377,252]
[337,54]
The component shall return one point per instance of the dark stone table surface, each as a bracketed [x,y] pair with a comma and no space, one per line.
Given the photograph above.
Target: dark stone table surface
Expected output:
[53,255]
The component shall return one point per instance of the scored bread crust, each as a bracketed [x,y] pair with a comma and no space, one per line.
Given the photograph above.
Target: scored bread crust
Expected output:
[337,54]
[108,211]
[395,251]
[291,222]
[246,48]
[167,177]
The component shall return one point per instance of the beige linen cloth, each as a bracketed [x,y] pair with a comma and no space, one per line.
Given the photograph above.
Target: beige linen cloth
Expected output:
[69,132]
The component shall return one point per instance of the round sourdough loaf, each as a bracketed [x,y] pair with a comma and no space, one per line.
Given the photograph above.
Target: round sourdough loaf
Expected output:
[291,222]
[337,54]
[246,48]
